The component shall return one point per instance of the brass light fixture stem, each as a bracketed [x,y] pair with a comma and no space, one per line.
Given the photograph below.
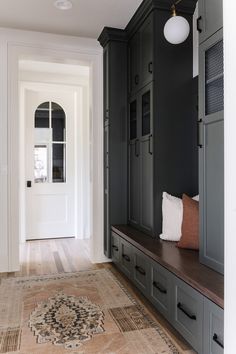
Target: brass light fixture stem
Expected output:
[173,9]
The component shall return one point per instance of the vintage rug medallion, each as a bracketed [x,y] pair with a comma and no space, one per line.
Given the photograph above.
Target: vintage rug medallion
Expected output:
[66,320]
[86,312]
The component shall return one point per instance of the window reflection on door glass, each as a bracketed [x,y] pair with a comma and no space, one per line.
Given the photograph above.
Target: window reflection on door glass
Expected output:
[42,116]
[58,122]
[58,163]
[40,164]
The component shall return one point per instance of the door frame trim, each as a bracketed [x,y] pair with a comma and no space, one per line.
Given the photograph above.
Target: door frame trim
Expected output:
[16,45]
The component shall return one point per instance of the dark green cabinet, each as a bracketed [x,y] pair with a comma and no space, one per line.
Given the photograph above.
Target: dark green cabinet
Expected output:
[141,56]
[211,152]
[146,51]
[134,164]
[161,289]
[115,131]
[213,341]
[210,18]
[142,272]
[188,313]
[141,160]
[134,63]
[162,148]
[146,159]
[126,258]
[115,248]
[198,320]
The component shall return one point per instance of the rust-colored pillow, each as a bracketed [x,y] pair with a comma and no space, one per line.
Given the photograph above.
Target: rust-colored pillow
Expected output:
[190,224]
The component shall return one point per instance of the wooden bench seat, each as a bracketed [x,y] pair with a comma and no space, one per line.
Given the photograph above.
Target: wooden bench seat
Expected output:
[182,263]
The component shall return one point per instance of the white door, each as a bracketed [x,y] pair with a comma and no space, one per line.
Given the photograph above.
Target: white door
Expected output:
[50,164]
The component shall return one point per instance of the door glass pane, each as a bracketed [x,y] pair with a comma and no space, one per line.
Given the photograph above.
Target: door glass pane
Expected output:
[133,120]
[58,122]
[58,163]
[42,116]
[40,164]
[146,113]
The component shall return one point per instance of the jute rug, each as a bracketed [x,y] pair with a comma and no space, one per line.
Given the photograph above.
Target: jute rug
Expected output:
[78,313]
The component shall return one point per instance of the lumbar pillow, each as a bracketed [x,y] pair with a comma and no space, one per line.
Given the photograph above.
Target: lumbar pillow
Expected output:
[190,225]
[196,198]
[172,215]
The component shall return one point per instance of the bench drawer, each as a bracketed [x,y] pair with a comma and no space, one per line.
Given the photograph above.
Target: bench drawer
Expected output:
[188,313]
[115,248]
[160,292]
[141,271]
[126,258]
[213,328]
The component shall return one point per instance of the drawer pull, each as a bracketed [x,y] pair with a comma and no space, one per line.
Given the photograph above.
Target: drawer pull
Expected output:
[215,339]
[115,248]
[159,287]
[189,315]
[127,258]
[140,270]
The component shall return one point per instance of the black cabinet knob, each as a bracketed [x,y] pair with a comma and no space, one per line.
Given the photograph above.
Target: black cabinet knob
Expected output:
[29,184]
[198,24]
[150,67]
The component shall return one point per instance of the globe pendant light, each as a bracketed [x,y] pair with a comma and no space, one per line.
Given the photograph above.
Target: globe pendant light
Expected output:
[176,29]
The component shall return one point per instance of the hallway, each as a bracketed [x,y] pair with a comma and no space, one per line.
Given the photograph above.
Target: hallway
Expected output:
[58,256]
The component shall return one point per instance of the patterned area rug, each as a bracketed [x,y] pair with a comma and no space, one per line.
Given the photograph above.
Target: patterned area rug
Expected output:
[78,313]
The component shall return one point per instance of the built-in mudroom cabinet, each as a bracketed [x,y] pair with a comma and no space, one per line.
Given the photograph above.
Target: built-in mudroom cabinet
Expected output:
[161,136]
[211,134]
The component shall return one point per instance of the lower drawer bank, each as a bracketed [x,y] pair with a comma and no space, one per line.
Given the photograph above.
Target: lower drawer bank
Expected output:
[197,319]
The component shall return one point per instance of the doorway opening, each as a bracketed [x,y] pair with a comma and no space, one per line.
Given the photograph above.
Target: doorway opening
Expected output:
[55,156]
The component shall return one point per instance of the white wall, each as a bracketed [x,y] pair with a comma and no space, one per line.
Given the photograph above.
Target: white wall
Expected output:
[230,173]
[14,46]
[79,85]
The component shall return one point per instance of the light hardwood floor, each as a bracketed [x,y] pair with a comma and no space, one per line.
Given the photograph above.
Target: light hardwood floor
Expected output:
[54,256]
[71,255]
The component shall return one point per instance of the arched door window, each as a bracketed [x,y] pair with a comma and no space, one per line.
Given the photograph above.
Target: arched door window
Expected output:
[50,143]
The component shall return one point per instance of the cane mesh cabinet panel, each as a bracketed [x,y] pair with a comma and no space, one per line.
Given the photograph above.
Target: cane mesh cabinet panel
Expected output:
[211,152]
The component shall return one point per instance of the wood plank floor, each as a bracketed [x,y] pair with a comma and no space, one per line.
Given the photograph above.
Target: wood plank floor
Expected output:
[54,256]
[71,255]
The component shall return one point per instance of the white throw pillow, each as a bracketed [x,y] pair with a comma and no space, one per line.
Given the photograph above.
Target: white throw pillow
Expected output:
[172,216]
[196,198]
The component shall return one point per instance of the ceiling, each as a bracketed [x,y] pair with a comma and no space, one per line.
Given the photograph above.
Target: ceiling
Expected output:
[86,19]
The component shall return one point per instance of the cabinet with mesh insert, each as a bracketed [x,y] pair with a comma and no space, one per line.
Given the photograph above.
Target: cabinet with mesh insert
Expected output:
[210,18]
[211,152]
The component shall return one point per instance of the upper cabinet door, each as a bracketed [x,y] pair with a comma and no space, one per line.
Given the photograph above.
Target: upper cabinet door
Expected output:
[211,152]
[210,18]
[141,57]
[146,55]
[106,85]
[134,63]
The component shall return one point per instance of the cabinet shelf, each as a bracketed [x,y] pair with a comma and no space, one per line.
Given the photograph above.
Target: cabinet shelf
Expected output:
[215,78]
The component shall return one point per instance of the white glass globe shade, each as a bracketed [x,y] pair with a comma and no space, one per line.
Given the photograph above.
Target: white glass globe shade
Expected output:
[176,30]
